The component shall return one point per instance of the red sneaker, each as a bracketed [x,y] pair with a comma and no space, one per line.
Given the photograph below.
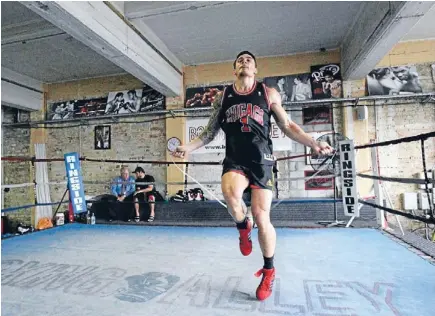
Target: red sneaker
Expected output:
[245,239]
[264,290]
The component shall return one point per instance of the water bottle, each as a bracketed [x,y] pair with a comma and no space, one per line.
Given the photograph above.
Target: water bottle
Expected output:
[88,218]
[93,219]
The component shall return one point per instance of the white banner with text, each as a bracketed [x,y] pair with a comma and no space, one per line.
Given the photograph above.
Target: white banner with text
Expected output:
[195,126]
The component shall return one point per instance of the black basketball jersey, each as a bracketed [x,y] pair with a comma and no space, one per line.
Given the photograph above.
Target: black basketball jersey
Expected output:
[246,119]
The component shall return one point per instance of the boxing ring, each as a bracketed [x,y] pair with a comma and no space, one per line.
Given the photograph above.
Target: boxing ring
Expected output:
[74,270]
[189,268]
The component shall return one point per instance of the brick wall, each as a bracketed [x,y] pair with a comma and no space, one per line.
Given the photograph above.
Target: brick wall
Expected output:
[148,140]
[16,142]
[402,119]
[131,139]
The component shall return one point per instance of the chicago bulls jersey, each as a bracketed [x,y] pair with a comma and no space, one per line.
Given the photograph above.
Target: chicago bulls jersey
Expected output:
[246,119]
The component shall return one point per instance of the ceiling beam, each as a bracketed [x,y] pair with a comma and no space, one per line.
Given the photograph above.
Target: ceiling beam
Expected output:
[377,29]
[20,91]
[143,9]
[147,33]
[28,31]
[97,26]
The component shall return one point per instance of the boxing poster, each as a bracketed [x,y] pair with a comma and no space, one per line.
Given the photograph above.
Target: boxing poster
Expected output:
[62,110]
[326,81]
[326,183]
[201,96]
[394,81]
[152,100]
[292,87]
[93,107]
[123,102]
[313,115]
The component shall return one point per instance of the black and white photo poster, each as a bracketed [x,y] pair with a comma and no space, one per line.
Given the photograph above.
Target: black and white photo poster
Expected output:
[152,100]
[62,110]
[123,102]
[291,87]
[394,81]
[102,137]
[326,82]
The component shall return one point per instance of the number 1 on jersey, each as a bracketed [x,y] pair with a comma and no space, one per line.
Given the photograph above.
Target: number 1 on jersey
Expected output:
[244,120]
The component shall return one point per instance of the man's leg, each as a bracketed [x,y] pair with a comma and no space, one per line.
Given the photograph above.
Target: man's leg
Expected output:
[111,204]
[261,204]
[247,200]
[233,184]
[127,208]
[152,204]
[136,206]
[136,209]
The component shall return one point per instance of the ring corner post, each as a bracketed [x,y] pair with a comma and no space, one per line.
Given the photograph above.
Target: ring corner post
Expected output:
[380,215]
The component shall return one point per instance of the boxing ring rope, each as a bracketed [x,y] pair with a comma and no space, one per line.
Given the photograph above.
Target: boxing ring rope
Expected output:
[428,218]
[375,177]
[33,160]
[16,208]
[399,180]
[396,141]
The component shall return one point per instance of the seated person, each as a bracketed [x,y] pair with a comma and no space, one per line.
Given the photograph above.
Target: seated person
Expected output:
[144,192]
[123,189]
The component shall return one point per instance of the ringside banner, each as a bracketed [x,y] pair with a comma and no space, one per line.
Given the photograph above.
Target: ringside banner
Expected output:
[75,182]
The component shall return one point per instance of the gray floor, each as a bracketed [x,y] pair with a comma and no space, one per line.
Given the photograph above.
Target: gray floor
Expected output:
[80,270]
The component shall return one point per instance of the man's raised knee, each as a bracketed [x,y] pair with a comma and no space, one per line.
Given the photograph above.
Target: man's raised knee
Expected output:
[232,193]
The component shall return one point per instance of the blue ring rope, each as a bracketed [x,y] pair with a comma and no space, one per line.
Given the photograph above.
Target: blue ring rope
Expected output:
[11,209]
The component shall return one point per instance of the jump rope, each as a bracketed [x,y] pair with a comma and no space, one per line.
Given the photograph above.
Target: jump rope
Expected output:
[322,167]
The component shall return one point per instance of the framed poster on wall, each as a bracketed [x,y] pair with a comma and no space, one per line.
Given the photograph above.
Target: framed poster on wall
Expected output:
[102,137]
[317,115]
[318,183]
[201,96]
[291,87]
[394,81]
[326,82]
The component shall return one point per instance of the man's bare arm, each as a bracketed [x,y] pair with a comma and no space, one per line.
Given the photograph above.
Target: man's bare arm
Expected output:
[291,129]
[212,128]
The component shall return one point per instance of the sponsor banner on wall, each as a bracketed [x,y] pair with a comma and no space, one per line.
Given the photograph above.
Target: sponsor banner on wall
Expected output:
[195,126]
